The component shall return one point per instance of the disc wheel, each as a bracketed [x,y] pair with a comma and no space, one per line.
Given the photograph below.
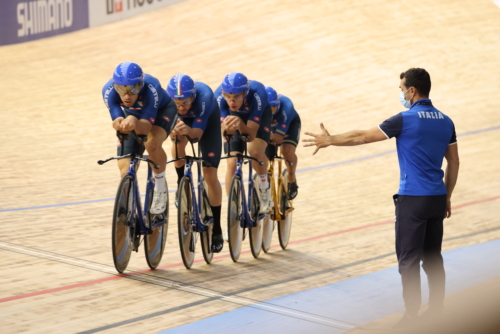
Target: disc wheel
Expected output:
[154,243]
[267,222]
[285,225]
[122,233]
[206,236]
[184,221]
[234,216]
[267,232]
[256,230]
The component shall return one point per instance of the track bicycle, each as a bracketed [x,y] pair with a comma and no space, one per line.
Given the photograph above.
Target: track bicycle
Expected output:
[243,214]
[130,222]
[281,212]
[194,214]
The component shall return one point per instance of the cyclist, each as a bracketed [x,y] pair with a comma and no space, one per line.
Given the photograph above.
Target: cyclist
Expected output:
[136,101]
[285,132]
[199,116]
[244,109]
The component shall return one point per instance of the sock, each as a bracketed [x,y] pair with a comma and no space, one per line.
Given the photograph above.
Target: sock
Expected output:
[180,173]
[264,183]
[160,182]
[216,212]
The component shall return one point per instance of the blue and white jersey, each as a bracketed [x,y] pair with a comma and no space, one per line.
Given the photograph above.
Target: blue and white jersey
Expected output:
[203,106]
[285,114]
[423,135]
[151,98]
[253,106]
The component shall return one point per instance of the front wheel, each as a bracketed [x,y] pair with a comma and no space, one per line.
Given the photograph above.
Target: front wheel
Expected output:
[234,217]
[285,225]
[185,217]
[206,236]
[122,234]
[154,243]
[256,230]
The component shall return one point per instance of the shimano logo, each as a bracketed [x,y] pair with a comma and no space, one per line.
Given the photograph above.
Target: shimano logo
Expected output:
[36,17]
[155,93]
[259,102]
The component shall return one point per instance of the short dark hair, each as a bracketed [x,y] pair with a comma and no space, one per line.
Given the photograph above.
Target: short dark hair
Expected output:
[418,78]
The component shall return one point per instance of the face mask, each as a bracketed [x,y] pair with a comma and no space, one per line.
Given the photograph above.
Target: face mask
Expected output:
[404,102]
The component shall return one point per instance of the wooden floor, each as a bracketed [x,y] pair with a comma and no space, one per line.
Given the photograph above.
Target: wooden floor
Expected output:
[339,61]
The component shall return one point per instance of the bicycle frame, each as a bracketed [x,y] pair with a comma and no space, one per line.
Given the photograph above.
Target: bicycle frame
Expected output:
[198,224]
[276,193]
[246,220]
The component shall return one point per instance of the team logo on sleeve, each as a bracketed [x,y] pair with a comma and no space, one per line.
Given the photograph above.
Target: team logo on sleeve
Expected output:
[283,126]
[198,120]
[152,119]
[166,118]
[266,129]
[211,154]
[257,119]
[140,103]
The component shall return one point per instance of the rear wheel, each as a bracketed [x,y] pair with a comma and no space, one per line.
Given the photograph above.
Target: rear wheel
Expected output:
[234,216]
[267,222]
[267,232]
[184,221]
[256,230]
[154,243]
[284,225]
[122,234]
[206,236]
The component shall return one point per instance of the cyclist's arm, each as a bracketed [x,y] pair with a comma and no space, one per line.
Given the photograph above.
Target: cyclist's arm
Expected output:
[250,129]
[277,138]
[185,130]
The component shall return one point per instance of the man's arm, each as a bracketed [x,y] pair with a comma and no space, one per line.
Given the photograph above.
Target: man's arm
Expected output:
[351,138]
[451,174]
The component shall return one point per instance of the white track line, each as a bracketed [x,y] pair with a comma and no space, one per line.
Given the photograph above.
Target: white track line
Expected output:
[201,291]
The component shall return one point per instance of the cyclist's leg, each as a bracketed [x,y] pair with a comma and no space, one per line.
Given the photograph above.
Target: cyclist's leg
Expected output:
[257,149]
[181,151]
[234,147]
[288,148]
[129,146]
[159,132]
[288,152]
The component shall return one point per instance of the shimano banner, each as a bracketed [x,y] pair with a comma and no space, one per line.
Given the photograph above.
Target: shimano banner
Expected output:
[22,21]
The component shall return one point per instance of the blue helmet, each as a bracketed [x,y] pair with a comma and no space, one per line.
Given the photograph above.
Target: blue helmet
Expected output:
[235,83]
[127,74]
[272,97]
[181,87]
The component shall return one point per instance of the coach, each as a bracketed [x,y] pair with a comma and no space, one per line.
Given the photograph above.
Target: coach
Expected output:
[424,136]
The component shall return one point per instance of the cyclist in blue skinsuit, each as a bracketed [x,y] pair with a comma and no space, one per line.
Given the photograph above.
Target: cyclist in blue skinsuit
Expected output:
[199,118]
[244,109]
[285,132]
[136,101]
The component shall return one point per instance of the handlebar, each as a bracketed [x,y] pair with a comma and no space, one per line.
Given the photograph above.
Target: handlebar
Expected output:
[141,139]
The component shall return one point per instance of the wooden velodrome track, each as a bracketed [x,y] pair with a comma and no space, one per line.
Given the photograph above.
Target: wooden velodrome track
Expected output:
[339,61]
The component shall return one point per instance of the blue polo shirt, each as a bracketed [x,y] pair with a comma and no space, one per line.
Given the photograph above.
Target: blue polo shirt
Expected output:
[423,134]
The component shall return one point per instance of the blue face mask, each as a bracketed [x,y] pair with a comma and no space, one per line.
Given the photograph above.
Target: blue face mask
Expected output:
[406,103]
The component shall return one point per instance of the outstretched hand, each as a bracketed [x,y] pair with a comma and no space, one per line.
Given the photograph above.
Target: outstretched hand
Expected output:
[320,140]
